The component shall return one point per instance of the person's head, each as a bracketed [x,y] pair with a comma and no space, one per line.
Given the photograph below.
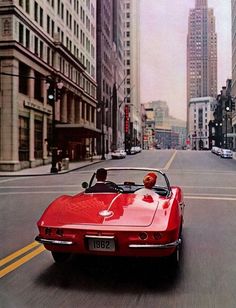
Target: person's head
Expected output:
[150,180]
[101,175]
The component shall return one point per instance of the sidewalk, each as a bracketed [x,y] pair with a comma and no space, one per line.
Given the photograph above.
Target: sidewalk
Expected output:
[45,170]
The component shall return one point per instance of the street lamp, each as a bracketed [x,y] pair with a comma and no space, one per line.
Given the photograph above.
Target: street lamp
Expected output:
[54,88]
[101,108]
[227,109]
[218,133]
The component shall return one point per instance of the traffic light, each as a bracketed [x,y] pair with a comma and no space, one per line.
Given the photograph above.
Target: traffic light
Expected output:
[51,93]
[227,105]
[232,105]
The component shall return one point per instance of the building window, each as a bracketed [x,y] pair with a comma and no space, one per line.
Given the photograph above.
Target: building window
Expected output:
[92,114]
[38,139]
[36,43]
[83,110]
[58,6]
[27,6]
[52,28]
[35,11]
[48,55]
[21,33]
[23,85]
[41,17]
[200,118]
[27,38]
[41,50]
[62,11]
[38,87]
[87,112]
[23,139]
[48,24]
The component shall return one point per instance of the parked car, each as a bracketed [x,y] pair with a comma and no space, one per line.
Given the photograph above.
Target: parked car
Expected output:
[226,153]
[119,223]
[138,149]
[215,150]
[133,150]
[118,154]
[218,151]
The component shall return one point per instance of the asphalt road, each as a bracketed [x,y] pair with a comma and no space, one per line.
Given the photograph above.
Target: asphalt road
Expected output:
[207,274]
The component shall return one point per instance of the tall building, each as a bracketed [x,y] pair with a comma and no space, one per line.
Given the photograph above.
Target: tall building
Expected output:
[110,74]
[201,53]
[233,86]
[133,126]
[40,39]
[105,77]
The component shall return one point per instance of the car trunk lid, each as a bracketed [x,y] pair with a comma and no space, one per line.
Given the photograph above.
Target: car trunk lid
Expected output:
[109,209]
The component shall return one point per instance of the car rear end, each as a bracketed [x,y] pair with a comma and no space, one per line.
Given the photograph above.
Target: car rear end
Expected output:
[225,153]
[114,224]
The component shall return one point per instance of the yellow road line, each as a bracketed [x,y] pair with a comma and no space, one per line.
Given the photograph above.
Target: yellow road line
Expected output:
[167,166]
[21,261]
[18,253]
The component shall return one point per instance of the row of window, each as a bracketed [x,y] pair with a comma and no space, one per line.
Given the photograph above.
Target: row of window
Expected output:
[50,28]
[39,50]
[39,47]
[60,8]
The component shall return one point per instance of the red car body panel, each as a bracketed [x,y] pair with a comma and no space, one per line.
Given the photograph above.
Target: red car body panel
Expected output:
[122,217]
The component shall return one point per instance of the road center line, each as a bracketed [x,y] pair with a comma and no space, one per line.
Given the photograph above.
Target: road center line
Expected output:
[21,261]
[167,166]
[18,253]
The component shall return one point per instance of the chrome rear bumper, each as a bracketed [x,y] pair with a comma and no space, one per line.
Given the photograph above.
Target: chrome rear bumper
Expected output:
[157,246]
[54,242]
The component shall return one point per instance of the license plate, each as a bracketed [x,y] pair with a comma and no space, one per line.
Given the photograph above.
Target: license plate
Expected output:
[101,244]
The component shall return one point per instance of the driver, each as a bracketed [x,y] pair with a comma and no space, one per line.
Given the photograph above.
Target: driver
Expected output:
[101,185]
[149,181]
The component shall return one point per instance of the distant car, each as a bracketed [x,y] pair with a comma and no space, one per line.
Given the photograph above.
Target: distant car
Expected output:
[226,153]
[119,223]
[133,150]
[138,149]
[218,151]
[118,154]
[215,150]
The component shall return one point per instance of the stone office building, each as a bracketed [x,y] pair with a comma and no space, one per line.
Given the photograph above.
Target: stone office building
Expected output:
[39,39]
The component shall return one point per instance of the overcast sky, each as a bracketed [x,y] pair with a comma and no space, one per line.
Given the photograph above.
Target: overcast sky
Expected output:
[164,27]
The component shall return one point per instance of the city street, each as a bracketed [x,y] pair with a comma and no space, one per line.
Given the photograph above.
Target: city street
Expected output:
[206,277]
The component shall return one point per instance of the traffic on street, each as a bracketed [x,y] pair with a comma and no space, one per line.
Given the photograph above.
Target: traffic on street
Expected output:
[204,278]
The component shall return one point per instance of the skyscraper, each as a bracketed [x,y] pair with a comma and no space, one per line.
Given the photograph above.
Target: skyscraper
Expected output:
[201,53]
[132,71]
[233,89]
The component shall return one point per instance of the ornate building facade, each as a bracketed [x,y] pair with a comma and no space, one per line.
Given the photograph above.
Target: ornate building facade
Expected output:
[39,39]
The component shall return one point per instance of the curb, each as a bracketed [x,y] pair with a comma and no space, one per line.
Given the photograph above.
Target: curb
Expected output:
[49,174]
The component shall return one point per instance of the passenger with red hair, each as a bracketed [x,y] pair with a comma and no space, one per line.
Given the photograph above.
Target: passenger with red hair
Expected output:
[149,182]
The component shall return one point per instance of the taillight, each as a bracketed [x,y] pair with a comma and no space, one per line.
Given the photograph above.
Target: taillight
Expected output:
[157,235]
[59,232]
[143,235]
[48,231]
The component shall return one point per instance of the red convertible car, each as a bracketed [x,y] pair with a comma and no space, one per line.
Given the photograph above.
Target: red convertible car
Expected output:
[122,222]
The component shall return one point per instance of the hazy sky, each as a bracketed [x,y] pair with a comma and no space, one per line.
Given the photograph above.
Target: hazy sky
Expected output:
[164,27]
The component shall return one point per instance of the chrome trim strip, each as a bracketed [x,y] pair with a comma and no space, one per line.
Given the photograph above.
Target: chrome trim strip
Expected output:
[100,236]
[54,242]
[159,246]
